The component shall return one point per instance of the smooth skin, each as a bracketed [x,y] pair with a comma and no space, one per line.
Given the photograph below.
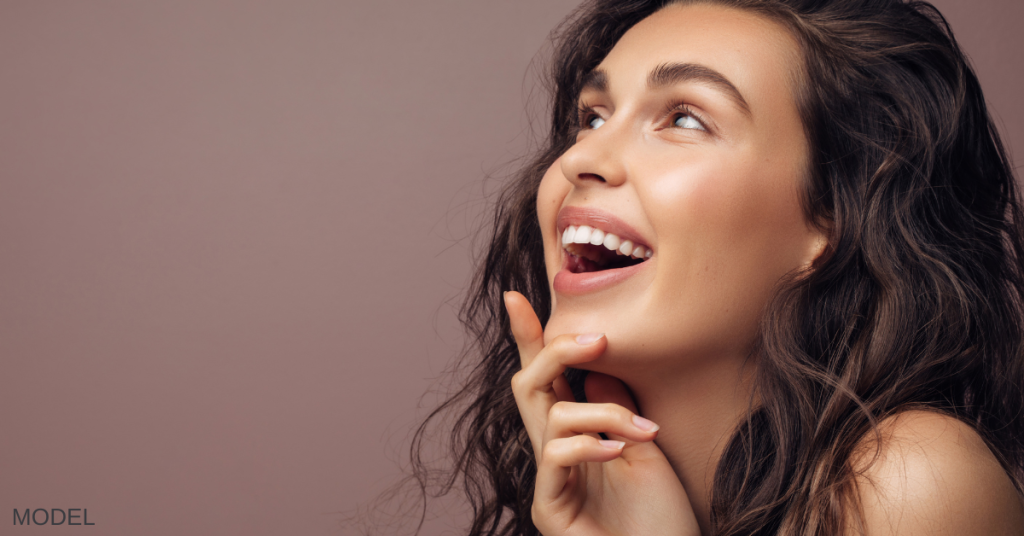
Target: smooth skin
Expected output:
[587,486]
[925,474]
[714,190]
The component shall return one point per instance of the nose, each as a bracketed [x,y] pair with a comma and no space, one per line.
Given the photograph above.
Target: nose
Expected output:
[597,157]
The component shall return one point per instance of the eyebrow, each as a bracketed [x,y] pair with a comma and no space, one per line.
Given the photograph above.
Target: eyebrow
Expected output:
[596,80]
[668,74]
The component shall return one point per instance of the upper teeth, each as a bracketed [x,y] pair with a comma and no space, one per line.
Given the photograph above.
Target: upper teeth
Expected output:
[584,234]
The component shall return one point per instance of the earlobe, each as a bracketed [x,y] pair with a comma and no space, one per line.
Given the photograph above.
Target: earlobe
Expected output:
[816,252]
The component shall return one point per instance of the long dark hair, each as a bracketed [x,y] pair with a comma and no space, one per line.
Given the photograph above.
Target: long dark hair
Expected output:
[917,302]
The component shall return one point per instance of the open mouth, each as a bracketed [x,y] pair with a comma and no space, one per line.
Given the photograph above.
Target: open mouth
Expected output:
[593,250]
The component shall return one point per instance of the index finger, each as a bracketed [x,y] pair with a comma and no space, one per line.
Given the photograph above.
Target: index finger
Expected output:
[525,326]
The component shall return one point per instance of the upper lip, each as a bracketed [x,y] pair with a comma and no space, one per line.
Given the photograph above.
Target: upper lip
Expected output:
[600,219]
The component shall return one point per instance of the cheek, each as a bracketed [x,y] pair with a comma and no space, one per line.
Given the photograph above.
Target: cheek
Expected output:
[550,196]
[747,211]
[700,206]
[553,189]
[731,231]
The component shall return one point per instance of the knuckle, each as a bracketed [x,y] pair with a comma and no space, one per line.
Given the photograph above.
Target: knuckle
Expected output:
[559,412]
[547,453]
[581,441]
[550,449]
[555,450]
[616,413]
[517,381]
[564,342]
[541,515]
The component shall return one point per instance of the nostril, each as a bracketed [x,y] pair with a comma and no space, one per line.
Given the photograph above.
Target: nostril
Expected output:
[585,176]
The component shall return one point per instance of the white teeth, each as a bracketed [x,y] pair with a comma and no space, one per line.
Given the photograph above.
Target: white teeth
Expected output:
[582,235]
[585,234]
[612,241]
[626,247]
[568,235]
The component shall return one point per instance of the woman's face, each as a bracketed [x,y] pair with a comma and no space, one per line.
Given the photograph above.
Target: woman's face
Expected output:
[695,152]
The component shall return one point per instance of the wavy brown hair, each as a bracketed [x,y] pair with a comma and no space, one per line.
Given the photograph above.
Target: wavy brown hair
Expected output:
[916,302]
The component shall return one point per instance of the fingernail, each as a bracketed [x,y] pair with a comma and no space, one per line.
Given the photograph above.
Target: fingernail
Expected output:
[614,445]
[645,424]
[589,338]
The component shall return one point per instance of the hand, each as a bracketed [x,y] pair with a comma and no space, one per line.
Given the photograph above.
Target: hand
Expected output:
[586,486]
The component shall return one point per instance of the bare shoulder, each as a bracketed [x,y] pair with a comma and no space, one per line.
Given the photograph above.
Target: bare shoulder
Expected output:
[927,473]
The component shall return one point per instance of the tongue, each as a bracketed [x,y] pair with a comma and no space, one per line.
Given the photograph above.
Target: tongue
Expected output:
[579,265]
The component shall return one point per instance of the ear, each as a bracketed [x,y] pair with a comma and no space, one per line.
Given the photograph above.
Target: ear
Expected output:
[817,246]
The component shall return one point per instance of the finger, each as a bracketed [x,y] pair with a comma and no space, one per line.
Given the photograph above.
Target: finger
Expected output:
[534,385]
[561,455]
[566,419]
[537,380]
[525,326]
[602,388]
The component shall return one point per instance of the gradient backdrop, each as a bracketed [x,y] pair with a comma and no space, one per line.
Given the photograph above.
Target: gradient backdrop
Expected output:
[231,233]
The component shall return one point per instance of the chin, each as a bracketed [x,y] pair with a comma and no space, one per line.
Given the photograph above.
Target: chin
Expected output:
[561,324]
[619,334]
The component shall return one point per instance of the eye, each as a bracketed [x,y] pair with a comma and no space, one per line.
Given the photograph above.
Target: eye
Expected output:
[688,121]
[682,116]
[589,120]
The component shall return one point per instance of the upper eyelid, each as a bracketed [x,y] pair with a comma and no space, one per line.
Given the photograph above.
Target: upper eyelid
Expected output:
[583,110]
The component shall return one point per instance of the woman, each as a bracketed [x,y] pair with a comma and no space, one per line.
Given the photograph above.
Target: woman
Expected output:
[786,232]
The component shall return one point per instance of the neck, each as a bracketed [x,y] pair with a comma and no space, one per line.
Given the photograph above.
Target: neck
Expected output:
[697,412]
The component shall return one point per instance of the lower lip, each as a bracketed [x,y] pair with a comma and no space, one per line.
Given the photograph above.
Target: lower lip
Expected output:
[572,284]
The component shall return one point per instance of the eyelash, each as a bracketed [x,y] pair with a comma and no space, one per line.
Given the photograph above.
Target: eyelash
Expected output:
[585,113]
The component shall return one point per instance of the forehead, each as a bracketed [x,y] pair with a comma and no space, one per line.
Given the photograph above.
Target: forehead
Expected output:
[757,55]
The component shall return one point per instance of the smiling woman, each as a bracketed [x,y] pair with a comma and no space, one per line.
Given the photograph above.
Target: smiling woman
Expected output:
[708,177]
[786,232]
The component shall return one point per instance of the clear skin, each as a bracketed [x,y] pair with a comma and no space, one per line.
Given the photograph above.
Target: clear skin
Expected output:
[714,191]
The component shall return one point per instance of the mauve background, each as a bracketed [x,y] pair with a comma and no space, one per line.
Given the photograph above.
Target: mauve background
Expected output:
[231,232]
